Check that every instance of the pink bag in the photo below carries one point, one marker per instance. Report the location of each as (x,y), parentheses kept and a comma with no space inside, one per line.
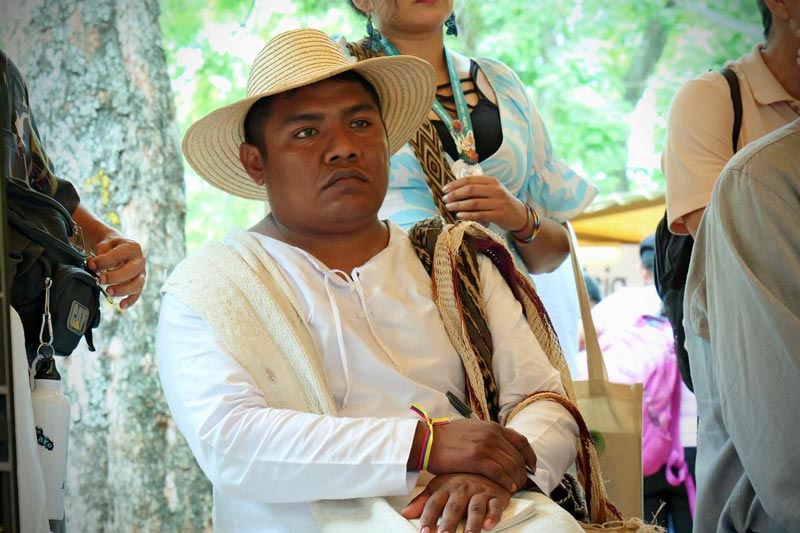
(660,405)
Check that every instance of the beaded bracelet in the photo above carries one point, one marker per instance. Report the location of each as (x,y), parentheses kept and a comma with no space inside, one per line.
(425,453)
(536,226)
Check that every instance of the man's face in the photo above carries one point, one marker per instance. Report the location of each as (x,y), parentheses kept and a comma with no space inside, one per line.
(326,157)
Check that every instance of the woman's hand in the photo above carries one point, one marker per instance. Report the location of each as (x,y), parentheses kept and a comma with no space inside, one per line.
(485,199)
(455,496)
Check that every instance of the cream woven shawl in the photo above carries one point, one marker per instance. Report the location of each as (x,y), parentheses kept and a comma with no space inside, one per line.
(238,289)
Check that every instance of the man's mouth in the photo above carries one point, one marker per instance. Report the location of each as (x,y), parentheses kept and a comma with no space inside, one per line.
(344,174)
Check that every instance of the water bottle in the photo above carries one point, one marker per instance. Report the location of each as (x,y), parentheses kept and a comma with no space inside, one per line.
(51,417)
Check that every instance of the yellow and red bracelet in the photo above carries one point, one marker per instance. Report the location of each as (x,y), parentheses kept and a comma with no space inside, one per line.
(425,453)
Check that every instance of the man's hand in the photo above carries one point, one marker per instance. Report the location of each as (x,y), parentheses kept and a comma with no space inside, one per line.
(453,496)
(469,446)
(120,263)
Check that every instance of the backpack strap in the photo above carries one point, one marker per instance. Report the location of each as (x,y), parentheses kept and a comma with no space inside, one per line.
(736,99)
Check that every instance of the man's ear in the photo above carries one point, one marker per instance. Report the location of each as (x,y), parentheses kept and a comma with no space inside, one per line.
(253,162)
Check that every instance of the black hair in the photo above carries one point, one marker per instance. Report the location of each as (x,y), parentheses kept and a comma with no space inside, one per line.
(259,112)
(766,17)
(592,288)
(647,252)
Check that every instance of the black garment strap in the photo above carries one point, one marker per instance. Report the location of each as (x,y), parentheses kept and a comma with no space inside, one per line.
(473,72)
(736,98)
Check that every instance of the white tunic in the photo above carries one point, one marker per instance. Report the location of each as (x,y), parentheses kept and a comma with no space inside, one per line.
(383,346)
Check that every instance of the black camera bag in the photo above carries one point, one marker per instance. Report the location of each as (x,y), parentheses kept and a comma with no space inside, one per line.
(39,248)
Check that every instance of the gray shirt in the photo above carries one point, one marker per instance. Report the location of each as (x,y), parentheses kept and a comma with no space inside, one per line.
(742,319)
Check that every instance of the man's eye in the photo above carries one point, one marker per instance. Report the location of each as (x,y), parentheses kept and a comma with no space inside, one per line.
(362,123)
(305,133)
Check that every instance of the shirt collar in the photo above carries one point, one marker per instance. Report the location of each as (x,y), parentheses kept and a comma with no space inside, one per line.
(395,233)
(764,85)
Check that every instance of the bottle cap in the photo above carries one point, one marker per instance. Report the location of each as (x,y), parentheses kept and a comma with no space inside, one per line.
(46,369)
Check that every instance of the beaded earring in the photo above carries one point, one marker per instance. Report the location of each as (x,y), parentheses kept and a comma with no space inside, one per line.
(374,37)
(450,24)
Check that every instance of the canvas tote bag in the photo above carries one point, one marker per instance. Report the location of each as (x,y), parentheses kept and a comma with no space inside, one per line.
(613,413)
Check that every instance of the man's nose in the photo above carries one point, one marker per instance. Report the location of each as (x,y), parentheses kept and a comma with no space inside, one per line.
(342,145)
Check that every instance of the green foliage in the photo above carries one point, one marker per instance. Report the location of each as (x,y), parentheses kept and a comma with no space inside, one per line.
(595,69)
(582,58)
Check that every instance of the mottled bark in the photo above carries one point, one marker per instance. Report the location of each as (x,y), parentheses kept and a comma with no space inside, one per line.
(654,39)
(101,96)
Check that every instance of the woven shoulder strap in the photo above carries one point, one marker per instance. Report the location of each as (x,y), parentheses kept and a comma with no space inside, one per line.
(449,253)
(427,148)
(457,293)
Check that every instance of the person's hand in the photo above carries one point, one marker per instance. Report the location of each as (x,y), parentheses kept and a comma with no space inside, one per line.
(485,199)
(470,446)
(121,265)
(454,496)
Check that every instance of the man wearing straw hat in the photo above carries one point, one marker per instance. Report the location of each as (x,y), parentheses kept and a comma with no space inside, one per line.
(291,354)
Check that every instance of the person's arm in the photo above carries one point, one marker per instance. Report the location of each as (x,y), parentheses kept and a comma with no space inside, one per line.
(255,452)
(239,441)
(555,191)
(752,251)
(697,147)
(692,221)
(547,251)
(521,368)
(118,259)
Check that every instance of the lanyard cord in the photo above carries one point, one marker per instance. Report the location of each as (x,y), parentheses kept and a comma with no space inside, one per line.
(461,128)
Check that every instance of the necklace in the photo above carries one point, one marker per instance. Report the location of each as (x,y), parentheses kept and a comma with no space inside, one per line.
(461,127)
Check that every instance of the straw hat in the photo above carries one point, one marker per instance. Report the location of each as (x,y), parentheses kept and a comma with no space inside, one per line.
(405,85)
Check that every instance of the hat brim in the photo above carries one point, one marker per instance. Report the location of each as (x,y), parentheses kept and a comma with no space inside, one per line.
(406,87)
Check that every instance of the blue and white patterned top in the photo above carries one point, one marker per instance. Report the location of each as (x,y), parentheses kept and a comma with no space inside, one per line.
(524,163)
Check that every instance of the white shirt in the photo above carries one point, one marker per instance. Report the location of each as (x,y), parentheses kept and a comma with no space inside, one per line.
(383,346)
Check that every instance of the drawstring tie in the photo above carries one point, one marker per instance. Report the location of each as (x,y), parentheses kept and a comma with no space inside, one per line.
(354,283)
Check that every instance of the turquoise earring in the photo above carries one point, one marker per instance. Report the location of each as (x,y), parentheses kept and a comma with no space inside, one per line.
(450,24)
(374,38)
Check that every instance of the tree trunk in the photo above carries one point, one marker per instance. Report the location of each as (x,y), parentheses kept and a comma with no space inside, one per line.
(101,96)
(654,40)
